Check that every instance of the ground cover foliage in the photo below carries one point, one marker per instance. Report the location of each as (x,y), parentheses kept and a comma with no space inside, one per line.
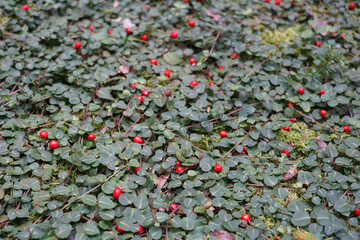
(66,193)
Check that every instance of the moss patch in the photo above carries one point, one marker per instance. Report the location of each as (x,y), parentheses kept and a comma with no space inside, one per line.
(275,37)
(298,136)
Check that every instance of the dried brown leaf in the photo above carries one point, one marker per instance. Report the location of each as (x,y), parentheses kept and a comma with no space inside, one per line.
(124,68)
(214,16)
(115,4)
(126,23)
(321,143)
(222,235)
(290,174)
(161,180)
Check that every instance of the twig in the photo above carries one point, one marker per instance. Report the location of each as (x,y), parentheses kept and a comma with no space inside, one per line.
(235,145)
(131,127)
(313,120)
(213,46)
(80,27)
(44,125)
(167,223)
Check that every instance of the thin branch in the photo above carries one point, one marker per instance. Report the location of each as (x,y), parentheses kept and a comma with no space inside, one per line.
(167,223)
(213,46)
(236,145)
(313,120)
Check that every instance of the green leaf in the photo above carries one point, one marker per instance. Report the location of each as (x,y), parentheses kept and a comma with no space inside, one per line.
(172,58)
(91,229)
(125,199)
(161,217)
(253,233)
(270,180)
(141,201)
(301,219)
(331,151)
(187,224)
(106,203)
(89,200)
(104,93)
(63,231)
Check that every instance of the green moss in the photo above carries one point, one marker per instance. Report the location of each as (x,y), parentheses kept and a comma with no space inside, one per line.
(275,37)
(298,136)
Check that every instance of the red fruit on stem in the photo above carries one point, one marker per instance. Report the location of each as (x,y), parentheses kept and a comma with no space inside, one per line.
(144,37)
(221,68)
(25,7)
(53,144)
(138,139)
(322,112)
(137,169)
(153,61)
(211,84)
(301,90)
(346,128)
(91,137)
(277,2)
(146,7)
(173,206)
(194,83)
(285,151)
(120,230)
(357,212)
(43,134)
(245,217)
(145,93)
(192,60)
(191,23)
(174,34)
(178,163)
(286,128)
(342,35)
(267,1)
(133,85)
(77,45)
(292,119)
(234,55)
(244,151)
(322,91)
(352,5)
(92,27)
(179,169)
(140,229)
(318,44)
(117,192)
(167,73)
(128,30)
(218,168)
(223,134)
(290,104)
(140,98)
(109,32)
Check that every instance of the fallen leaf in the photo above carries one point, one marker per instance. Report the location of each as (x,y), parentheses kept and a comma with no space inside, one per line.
(214,16)
(118,19)
(124,68)
(104,130)
(161,180)
(115,4)
(321,143)
(222,235)
(126,23)
(302,235)
(290,174)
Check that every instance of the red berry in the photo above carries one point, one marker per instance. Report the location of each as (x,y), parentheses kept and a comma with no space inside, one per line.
(179,169)
(342,35)
(285,151)
(153,61)
(322,112)
(192,60)
(53,144)
(185,1)
(77,45)
(301,90)
(223,133)
(234,55)
(221,68)
(218,168)
(290,104)
(346,128)
(352,5)
(91,137)
(117,192)
(244,151)
(109,31)
(211,84)
(267,1)
(173,206)
(174,34)
(133,85)
(92,27)
(357,212)
(144,37)
(277,2)
(194,83)
(140,229)
(191,23)
(120,230)
(84,56)
(146,7)
(25,7)
(178,163)
(167,72)
(128,30)
(138,139)
(145,93)
(322,91)
(292,119)
(137,169)
(43,134)
(318,43)
(245,217)
(286,128)
(140,98)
